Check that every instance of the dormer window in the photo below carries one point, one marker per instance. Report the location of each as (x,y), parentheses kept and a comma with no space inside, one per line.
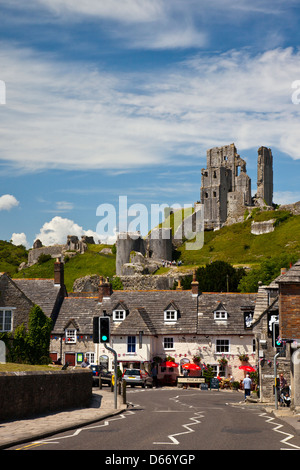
(170,315)
(120,311)
(220,313)
(70,334)
(119,315)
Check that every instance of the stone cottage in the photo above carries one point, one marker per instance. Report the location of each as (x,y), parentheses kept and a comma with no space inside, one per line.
(158,323)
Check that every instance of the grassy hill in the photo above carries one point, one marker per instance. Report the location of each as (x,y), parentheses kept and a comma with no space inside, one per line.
(238,246)
(234,244)
(11,257)
(91,262)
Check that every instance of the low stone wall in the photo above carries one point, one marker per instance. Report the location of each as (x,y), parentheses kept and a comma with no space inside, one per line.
(259,228)
(150,282)
(24,394)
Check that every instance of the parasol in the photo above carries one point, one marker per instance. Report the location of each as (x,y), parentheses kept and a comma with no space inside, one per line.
(191,366)
(248,368)
(168,364)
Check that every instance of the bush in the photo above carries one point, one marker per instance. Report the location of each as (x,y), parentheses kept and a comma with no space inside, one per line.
(43,258)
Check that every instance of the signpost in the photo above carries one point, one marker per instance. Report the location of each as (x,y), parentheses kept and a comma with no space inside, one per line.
(190,380)
(214,383)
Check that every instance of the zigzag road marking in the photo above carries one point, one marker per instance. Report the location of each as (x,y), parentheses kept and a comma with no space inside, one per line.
(172,437)
(277,429)
(55,440)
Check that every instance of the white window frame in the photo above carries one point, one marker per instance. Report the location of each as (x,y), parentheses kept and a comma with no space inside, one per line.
(223,344)
(3,312)
(119,315)
(90,357)
(220,315)
(70,335)
(132,344)
(170,315)
(168,343)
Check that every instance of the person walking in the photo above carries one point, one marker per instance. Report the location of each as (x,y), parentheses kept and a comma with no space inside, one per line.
(154,375)
(247,382)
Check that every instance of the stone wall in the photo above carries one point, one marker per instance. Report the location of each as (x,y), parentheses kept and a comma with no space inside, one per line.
(259,228)
(149,282)
(54,251)
(25,394)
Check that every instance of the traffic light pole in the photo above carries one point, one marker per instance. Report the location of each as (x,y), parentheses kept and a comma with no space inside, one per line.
(275,381)
(116,373)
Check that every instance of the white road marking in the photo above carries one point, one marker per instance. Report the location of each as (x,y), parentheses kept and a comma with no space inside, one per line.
(277,429)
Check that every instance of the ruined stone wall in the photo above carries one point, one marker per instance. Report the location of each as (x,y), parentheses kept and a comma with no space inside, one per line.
(259,228)
(54,250)
(148,282)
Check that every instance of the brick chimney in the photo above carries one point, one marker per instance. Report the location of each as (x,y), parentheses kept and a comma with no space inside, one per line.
(104,290)
(195,285)
(59,278)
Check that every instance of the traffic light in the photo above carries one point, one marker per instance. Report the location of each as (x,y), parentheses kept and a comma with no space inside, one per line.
(279,342)
(101,329)
(104,330)
(96,330)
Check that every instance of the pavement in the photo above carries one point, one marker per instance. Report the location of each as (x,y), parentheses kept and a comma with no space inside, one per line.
(101,407)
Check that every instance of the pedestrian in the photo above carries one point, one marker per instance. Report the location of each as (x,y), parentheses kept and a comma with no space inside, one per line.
(282,382)
(85,363)
(247,386)
(154,375)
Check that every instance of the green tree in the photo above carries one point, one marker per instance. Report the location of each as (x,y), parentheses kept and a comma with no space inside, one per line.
(38,336)
(219,276)
(266,272)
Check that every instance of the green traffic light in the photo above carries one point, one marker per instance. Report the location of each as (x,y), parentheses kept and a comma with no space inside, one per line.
(104,338)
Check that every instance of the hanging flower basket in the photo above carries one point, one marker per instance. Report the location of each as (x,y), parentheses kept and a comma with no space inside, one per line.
(223,361)
(244,358)
(196,359)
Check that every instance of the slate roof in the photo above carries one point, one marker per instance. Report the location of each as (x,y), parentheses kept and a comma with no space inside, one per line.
(291,276)
(145,312)
(42,292)
(233,303)
(148,311)
(80,310)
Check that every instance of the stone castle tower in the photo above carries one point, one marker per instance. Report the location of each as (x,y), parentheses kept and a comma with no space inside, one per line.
(226,188)
(157,246)
(265,175)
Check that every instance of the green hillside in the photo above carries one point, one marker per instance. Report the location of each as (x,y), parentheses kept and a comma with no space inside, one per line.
(91,262)
(238,246)
(11,257)
(234,244)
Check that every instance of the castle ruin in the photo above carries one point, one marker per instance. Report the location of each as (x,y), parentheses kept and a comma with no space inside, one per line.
(136,254)
(226,188)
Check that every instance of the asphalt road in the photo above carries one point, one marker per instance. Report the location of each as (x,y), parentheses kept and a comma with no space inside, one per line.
(177,420)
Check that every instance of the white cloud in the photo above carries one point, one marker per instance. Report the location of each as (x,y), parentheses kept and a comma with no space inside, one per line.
(57,230)
(75,117)
(286,197)
(20,239)
(7,202)
(64,206)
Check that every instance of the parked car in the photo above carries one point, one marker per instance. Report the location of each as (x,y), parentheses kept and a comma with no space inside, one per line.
(137,377)
(99,371)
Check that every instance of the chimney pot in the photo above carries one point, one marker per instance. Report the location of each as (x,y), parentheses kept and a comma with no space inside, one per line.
(59,273)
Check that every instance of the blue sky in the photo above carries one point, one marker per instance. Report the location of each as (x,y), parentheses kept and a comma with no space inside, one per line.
(106,98)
